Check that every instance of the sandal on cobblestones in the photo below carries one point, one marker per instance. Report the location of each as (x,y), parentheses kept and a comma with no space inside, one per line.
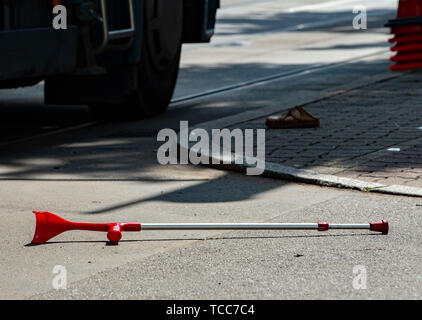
(294,118)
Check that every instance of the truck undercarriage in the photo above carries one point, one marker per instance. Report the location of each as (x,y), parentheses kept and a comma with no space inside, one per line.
(112,52)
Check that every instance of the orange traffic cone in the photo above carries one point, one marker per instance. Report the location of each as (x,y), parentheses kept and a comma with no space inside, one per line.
(407,28)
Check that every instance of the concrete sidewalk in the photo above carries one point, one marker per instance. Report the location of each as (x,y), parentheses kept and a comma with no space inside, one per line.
(370,138)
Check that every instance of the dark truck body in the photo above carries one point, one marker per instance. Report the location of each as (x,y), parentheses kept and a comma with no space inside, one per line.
(32,50)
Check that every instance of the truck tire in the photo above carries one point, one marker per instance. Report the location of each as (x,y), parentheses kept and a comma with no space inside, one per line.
(160,56)
(159,65)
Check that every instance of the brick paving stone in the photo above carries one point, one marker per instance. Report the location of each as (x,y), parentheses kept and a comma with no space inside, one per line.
(357,128)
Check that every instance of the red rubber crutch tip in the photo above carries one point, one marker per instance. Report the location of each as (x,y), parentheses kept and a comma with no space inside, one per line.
(380,226)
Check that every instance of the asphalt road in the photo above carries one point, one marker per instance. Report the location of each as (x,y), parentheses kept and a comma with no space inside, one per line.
(107,172)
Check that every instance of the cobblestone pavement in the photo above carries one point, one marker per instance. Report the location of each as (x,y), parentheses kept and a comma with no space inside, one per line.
(372,134)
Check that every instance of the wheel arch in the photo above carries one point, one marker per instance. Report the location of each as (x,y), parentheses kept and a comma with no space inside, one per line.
(199,17)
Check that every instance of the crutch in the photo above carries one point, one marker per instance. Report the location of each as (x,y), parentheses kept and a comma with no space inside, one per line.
(49,225)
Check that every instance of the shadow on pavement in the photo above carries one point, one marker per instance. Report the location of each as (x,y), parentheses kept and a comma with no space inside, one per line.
(126,151)
(343,235)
